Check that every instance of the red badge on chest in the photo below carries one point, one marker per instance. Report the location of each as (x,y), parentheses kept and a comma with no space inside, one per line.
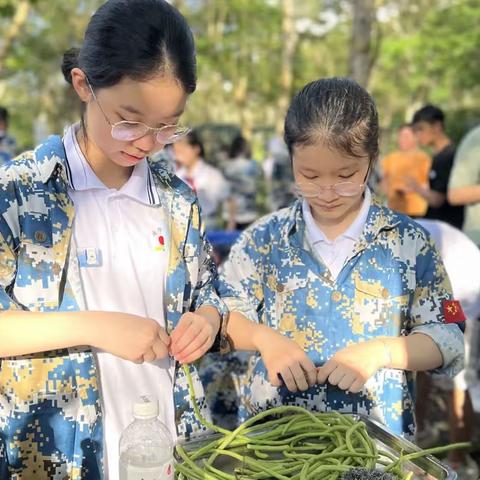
(453,311)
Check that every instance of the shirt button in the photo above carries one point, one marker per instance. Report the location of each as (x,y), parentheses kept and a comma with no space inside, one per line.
(385,293)
(336,296)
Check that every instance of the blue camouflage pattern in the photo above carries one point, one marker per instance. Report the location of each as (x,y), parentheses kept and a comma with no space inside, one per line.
(392,284)
(50,409)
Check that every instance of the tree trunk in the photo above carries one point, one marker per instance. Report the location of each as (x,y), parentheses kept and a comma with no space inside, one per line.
(290,40)
(13,31)
(361,53)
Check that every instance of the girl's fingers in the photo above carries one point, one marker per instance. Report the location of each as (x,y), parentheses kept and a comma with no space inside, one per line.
(196,354)
(288,379)
(273,377)
(181,327)
(164,336)
(336,376)
(347,381)
(198,342)
(324,371)
(160,349)
(310,371)
(188,335)
(149,355)
(357,385)
(299,377)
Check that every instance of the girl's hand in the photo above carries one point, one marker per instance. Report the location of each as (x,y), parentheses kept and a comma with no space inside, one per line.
(194,334)
(282,356)
(351,367)
(130,337)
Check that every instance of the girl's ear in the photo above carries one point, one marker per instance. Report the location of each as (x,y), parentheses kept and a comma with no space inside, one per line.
(80,84)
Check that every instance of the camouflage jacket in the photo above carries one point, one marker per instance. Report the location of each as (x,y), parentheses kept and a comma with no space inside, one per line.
(50,410)
(393,284)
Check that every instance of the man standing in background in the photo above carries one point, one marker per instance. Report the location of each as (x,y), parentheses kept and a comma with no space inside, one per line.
(429,126)
(464,185)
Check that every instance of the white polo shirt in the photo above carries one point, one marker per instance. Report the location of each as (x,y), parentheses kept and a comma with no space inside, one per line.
(335,252)
(122,239)
(211,188)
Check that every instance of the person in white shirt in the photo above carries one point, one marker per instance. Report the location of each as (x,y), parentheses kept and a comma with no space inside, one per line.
(205,180)
(462,261)
(106,279)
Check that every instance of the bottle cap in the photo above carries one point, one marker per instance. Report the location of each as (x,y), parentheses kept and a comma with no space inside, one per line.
(145,407)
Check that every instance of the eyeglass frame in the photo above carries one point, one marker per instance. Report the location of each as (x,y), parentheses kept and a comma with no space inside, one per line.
(148,128)
(333,186)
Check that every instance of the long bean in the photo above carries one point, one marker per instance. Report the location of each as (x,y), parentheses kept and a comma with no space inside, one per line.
(290,443)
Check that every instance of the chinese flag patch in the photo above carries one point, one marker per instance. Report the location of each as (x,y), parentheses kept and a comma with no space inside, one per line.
(453,311)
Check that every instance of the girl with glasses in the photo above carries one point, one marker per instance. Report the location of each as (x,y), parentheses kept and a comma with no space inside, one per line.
(341,297)
(105,274)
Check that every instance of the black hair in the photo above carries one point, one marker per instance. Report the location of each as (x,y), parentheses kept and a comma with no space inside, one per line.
(337,112)
(4,115)
(429,114)
(193,139)
(239,147)
(135,39)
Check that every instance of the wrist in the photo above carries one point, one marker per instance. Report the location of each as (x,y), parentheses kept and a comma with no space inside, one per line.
(261,336)
(384,353)
(212,316)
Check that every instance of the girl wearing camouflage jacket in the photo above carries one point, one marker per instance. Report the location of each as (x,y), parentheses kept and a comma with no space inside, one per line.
(341,297)
(105,275)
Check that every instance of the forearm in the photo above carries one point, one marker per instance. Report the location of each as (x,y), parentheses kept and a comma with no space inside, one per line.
(415,352)
(464,195)
(434,199)
(31,332)
(245,334)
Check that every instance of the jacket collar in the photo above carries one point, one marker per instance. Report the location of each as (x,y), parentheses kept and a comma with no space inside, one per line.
(50,157)
(379,218)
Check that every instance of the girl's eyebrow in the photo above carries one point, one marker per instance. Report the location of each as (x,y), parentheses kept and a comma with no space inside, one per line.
(130,109)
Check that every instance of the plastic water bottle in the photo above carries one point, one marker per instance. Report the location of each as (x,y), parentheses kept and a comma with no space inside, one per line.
(146,446)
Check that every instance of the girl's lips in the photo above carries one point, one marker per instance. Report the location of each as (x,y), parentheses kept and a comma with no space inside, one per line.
(132,157)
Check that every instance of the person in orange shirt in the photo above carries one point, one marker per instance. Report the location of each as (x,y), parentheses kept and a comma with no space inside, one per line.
(407,161)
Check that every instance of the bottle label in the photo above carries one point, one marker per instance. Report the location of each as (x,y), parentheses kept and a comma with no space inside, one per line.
(155,472)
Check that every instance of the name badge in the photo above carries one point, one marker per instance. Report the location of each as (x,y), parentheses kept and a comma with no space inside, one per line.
(89,257)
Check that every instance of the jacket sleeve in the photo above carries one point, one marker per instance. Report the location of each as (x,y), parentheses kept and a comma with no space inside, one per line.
(9,232)
(240,284)
(427,311)
(204,292)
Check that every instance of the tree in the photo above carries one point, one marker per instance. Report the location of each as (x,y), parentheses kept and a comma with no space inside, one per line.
(14,28)
(361,56)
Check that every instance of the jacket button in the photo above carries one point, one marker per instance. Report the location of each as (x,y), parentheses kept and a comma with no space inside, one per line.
(280,288)
(40,236)
(336,296)
(385,293)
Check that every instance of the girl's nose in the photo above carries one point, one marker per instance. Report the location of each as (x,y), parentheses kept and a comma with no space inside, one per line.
(146,143)
(327,193)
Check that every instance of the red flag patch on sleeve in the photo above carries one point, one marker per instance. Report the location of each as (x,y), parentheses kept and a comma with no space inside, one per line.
(453,311)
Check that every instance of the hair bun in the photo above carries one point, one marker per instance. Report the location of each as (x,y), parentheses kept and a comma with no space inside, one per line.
(70,60)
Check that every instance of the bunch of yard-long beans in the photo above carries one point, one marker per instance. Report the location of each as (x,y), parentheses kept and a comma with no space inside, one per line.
(289,443)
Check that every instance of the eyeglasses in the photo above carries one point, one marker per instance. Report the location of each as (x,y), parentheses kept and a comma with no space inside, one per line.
(127,131)
(342,189)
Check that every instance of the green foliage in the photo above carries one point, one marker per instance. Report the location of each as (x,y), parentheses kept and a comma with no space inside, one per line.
(428,51)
